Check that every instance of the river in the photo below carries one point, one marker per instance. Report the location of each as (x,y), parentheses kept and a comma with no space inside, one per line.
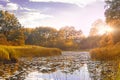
(69,66)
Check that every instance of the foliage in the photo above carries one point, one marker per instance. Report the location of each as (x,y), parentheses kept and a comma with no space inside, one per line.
(112,14)
(10,28)
(90,42)
(27,32)
(105,40)
(42,36)
(106,53)
(96,28)
(67,38)
(3,40)
(110,43)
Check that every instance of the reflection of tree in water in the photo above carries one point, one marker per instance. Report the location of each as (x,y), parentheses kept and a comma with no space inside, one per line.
(103,70)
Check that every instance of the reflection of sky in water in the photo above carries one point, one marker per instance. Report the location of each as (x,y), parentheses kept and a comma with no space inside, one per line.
(69,66)
(81,74)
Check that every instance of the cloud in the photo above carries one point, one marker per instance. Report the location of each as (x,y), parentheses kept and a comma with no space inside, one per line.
(78,2)
(32,18)
(11,6)
(27,9)
(1,7)
(5,0)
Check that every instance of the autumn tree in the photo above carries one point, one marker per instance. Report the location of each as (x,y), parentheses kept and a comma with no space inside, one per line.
(112,14)
(11,28)
(43,36)
(27,32)
(69,38)
(3,40)
(90,42)
(96,28)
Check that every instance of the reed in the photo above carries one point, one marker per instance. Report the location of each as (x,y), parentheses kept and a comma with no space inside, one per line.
(106,53)
(12,53)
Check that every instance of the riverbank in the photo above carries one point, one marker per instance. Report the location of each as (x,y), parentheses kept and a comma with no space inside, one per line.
(12,53)
(106,53)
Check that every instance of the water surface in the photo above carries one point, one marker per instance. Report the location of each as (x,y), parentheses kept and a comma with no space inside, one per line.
(68,66)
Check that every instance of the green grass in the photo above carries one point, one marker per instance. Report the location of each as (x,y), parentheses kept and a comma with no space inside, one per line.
(106,53)
(12,53)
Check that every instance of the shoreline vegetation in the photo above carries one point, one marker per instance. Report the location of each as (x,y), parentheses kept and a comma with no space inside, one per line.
(106,53)
(11,54)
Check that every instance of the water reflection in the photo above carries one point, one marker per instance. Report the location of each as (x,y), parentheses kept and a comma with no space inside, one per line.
(69,66)
(103,70)
(81,74)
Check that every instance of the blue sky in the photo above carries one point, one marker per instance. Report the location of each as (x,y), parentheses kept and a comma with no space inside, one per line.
(56,13)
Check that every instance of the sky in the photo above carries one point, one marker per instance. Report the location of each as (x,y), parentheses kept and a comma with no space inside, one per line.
(56,13)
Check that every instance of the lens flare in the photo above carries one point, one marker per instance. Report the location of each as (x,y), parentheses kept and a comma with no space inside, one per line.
(109,29)
(105,29)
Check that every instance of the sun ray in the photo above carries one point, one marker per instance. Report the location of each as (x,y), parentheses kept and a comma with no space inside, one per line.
(105,29)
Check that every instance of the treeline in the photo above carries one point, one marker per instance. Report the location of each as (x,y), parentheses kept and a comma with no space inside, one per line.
(67,38)
(110,42)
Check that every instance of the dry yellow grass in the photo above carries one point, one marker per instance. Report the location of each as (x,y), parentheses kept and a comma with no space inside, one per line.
(106,53)
(12,53)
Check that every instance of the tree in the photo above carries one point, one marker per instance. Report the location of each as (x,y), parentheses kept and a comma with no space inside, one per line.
(3,40)
(16,37)
(10,27)
(112,14)
(90,42)
(44,36)
(105,40)
(27,32)
(96,28)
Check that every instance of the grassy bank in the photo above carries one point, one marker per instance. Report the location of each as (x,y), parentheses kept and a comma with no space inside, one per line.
(106,53)
(12,53)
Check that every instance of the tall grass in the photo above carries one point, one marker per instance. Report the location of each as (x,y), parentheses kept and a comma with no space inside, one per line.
(4,55)
(106,53)
(36,51)
(12,53)
(118,73)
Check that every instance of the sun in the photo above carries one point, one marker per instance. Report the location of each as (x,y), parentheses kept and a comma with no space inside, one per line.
(109,29)
(105,29)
